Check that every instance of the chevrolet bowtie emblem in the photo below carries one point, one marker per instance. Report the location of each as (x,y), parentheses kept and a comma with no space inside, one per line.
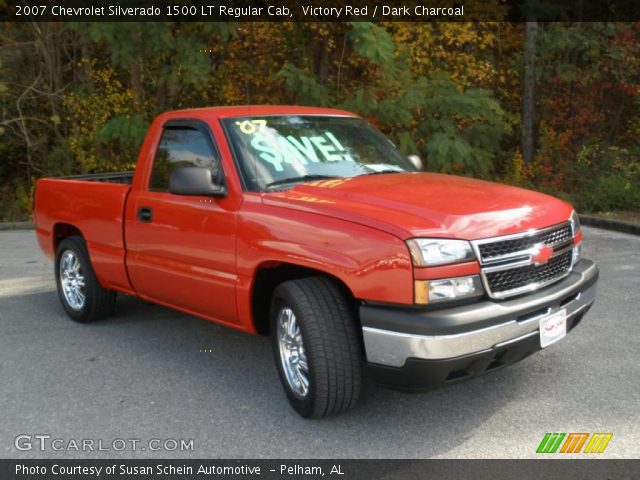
(541,254)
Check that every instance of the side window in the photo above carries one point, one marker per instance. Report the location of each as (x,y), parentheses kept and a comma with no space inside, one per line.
(180,147)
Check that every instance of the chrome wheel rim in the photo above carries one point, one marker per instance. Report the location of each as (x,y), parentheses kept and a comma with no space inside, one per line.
(72,280)
(292,354)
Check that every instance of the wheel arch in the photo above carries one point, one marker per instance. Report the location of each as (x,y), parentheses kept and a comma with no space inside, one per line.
(62,230)
(268,275)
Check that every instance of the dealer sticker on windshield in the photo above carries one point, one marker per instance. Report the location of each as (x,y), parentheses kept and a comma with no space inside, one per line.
(553,327)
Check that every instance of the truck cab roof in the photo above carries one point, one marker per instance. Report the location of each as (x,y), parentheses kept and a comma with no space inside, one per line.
(209,113)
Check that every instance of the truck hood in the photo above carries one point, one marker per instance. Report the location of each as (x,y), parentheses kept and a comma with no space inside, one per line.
(426,205)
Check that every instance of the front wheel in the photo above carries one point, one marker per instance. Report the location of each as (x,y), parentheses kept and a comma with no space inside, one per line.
(316,346)
(82,297)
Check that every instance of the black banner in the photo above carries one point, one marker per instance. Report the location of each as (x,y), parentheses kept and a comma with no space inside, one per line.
(338,469)
(320,10)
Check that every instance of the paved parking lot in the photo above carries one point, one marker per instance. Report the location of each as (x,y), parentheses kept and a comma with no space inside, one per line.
(144,374)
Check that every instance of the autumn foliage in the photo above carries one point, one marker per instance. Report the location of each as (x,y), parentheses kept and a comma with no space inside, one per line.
(78,97)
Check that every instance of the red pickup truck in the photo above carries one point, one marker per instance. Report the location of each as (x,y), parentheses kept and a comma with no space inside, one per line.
(308,225)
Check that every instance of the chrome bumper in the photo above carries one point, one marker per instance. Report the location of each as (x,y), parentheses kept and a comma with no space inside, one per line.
(391,336)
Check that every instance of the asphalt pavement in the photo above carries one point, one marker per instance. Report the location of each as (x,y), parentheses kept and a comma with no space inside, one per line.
(152,373)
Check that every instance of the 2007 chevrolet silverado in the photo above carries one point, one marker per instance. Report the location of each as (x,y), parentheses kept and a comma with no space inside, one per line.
(308,225)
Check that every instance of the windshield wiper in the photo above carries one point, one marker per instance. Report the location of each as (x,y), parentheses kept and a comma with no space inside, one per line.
(302,178)
(381,172)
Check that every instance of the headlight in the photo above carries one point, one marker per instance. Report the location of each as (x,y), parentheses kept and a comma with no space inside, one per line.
(433,291)
(575,222)
(427,252)
(577,236)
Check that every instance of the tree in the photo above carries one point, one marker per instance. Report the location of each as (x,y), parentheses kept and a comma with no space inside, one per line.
(528,92)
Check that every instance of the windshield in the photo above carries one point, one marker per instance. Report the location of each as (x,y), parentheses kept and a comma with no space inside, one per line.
(277,152)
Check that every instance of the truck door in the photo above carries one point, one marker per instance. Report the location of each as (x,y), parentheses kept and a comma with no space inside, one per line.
(181,248)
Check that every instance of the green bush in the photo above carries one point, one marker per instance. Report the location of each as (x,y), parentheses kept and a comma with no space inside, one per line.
(16,201)
(606,179)
(607,193)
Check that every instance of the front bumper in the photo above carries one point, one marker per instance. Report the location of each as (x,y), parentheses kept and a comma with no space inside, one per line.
(421,349)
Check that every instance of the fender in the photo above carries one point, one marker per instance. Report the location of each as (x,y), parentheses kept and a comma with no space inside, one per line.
(374,265)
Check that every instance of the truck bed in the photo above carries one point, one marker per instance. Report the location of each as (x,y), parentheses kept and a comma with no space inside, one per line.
(111,177)
(92,206)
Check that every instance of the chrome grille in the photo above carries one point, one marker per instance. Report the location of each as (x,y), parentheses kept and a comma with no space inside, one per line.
(552,237)
(508,263)
(505,281)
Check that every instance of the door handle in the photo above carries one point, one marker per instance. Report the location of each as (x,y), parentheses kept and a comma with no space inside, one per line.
(145,214)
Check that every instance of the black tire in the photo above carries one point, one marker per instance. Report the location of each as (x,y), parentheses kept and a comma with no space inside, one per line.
(331,344)
(99,302)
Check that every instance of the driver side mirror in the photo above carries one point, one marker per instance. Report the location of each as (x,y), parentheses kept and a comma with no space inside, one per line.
(195,181)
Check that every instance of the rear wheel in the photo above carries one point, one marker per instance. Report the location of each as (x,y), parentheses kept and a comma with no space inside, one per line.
(316,346)
(82,297)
